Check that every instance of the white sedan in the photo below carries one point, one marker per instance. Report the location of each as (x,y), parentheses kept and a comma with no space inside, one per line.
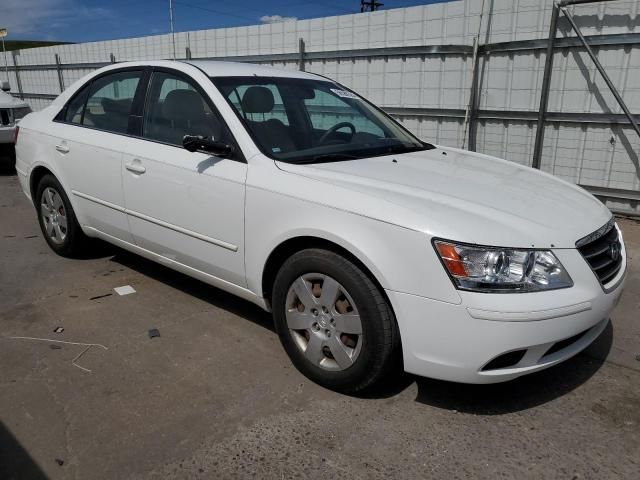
(293,192)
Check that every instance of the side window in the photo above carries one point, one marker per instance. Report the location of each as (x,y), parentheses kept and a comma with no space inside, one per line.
(326,110)
(175,109)
(75,108)
(110,100)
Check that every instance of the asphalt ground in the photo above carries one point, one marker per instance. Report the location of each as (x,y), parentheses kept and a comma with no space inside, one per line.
(214,396)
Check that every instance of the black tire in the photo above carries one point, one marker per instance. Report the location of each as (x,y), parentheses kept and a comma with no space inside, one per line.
(380,337)
(75,240)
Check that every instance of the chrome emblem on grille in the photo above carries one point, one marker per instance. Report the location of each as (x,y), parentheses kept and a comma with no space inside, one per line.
(614,251)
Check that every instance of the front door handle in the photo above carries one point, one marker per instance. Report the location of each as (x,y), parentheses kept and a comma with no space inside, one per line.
(62,148)
(135,167)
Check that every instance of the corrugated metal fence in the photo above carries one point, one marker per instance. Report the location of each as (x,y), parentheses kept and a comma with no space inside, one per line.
(417,63)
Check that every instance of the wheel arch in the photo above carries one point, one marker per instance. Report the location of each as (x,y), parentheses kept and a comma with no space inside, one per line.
(292,245)
(34,179)
(295,244)
(36,173)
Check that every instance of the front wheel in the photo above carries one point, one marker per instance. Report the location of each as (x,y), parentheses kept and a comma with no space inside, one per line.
(333,321)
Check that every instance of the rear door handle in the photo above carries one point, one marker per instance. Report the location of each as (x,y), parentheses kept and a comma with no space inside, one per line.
(135,167)
(62,148)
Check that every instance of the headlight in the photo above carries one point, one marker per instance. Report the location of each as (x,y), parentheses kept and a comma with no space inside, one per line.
(496,269)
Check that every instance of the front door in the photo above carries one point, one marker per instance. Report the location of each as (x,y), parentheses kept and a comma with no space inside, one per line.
(186,207)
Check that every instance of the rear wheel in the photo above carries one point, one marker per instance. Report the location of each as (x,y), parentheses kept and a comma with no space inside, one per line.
(333,321)
(57,218)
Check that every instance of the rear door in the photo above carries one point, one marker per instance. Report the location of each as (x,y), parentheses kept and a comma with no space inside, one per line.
(187,207)
(88,138)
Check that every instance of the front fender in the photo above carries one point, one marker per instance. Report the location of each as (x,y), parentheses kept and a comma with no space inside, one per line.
(401,259)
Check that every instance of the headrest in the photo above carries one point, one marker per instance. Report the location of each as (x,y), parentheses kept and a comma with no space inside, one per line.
(257,100)
(183,104)
(122,107)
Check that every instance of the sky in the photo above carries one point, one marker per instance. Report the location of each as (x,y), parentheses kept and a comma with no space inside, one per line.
(91,20)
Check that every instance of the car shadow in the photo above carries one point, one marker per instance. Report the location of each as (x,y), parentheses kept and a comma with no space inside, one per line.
(7,160)
(15,461)
(495,399)
(195,288)
(95,249)
(6,169)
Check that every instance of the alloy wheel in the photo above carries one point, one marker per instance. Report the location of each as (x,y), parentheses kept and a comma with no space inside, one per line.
(323,321)
(54,216)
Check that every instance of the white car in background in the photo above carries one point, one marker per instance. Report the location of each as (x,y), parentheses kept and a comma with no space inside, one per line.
(11,111)
(293,192)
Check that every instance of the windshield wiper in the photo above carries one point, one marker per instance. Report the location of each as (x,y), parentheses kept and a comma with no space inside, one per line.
(328,157)
(406,149)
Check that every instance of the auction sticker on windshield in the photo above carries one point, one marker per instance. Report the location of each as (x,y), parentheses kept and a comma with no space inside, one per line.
(344,93)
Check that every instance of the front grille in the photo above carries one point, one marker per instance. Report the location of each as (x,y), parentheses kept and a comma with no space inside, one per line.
(603,252)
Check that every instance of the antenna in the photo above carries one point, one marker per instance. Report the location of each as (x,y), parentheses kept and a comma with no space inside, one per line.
(370,6)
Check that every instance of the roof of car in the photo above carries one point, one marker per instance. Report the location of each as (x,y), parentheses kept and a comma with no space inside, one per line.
(211,68)
(236,69)
(215,68)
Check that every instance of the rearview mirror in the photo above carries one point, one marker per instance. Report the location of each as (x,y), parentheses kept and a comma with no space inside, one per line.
(195,143)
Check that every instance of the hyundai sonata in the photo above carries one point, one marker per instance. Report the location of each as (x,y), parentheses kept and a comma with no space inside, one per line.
(293,192)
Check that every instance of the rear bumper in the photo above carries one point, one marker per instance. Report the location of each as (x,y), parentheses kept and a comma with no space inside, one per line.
(458,342)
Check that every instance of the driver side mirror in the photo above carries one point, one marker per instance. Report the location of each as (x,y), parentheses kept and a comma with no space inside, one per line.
(195,143)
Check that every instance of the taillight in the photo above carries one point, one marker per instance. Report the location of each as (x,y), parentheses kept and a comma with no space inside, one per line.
(15,137)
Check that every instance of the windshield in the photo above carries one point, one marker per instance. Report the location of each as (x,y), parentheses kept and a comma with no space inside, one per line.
(305,121)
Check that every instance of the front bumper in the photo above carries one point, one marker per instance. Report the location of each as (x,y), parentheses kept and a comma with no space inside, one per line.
(458,342)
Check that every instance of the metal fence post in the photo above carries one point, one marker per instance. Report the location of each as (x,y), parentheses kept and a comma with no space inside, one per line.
(602,71)
(544,94)
(301,53)
(474,103)
(14,54)
(60,76)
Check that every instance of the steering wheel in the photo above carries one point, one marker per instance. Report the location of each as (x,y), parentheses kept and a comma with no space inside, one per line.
(335,128)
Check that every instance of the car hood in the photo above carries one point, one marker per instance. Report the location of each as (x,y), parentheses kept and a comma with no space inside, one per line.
(462,196)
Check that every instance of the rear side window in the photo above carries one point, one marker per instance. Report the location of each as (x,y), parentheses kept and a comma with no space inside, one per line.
(109,102)
(75,108)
